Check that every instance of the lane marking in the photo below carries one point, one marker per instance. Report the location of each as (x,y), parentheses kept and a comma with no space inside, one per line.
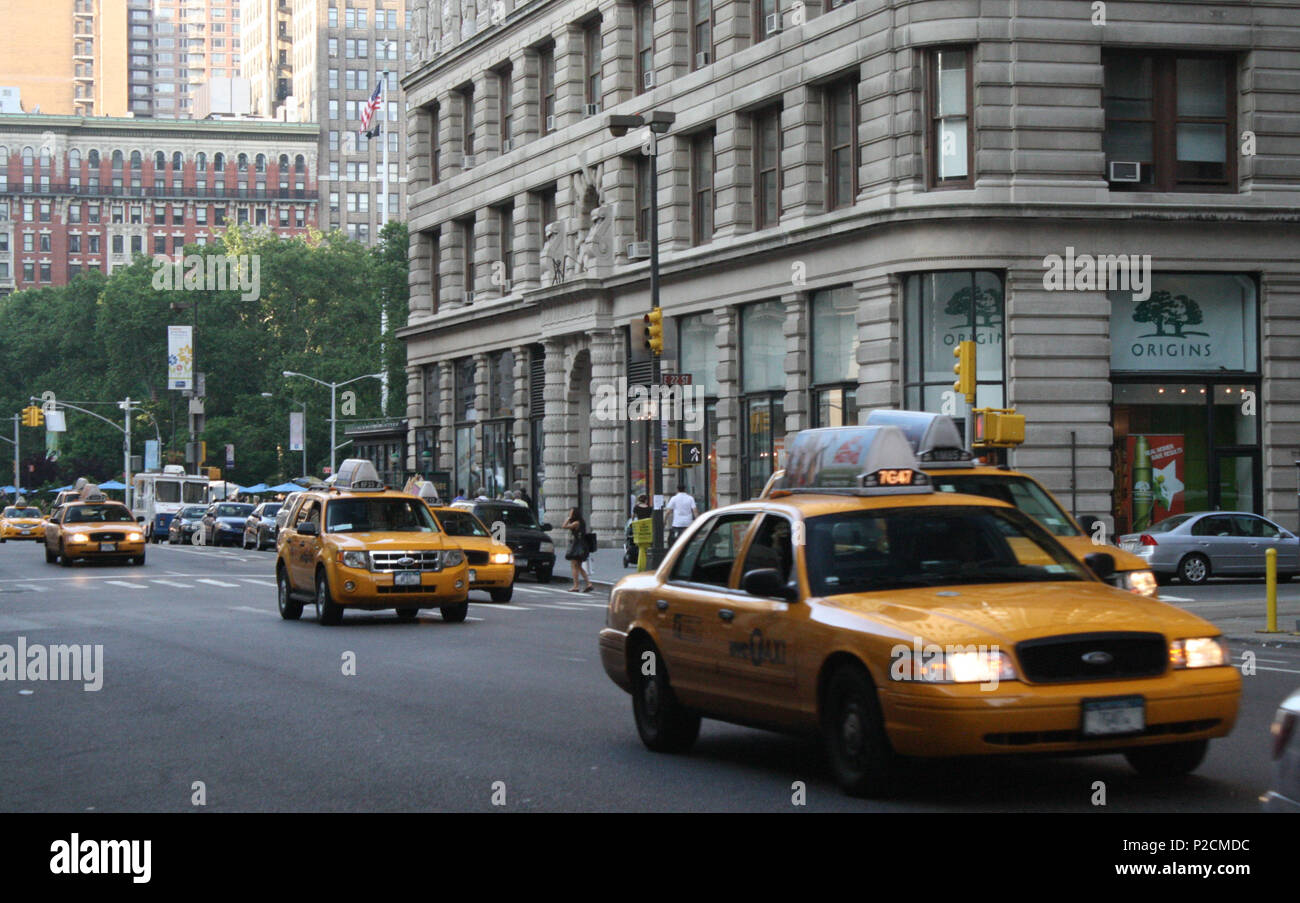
(1164,598)
(126,584)
(256,611)
(258,580)
(501,607)
(1283,670)
(173,583)
(210,582)
(31,588)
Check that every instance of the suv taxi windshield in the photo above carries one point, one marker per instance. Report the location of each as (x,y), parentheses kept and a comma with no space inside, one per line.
(97,514)
(1023,493)
(460,523)
(378,515)
(866,551)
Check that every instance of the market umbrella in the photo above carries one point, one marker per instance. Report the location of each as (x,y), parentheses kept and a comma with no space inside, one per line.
(112,484)
(60,489)
(254,490)
(285,487)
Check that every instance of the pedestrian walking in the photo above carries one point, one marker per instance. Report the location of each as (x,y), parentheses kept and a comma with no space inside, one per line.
(577,554)
(679,513)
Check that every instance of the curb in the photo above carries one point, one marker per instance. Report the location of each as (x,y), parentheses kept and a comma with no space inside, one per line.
(1264,639)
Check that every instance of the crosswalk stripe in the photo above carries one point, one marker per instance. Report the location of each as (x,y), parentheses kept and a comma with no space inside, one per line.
(29,587)
(256,611)
(259,581)
(222,583)
(126,584)
(174,583)
(511,607)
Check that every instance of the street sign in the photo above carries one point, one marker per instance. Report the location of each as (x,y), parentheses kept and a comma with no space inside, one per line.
(676,379)
(230,456)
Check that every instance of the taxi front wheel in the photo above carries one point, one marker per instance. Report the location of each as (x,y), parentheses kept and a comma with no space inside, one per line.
(455,613)
(854,733)
(1168,760)
(328,612)
(662,722)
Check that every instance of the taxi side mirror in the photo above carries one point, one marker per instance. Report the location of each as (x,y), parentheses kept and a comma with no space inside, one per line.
(309,528)
(1101,563)
(140,519)
(767,582)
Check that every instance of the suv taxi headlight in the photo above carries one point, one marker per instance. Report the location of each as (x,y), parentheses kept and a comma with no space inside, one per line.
(134,537)
(1141,582)
(502,557)
(953,666)
(354,559)
(1198,652)
(80,537)
(452,557)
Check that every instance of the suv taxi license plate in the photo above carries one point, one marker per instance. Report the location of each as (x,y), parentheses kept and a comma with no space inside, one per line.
(406,578)
(108,547)
(1120,715)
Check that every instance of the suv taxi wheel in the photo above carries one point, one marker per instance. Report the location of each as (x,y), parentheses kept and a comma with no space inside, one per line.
(1167,760)
(328,612)
(455,613)
(407,614)
(290,608)
(854,733)
(1194,569)
(661,721)
(63,557)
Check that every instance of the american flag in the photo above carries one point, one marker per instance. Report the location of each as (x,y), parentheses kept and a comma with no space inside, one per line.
(372,106)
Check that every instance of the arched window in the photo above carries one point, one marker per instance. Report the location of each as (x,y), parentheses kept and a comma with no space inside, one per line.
(92,159)
(45,157)
(243,162)
(300,163)
(219,162)
(284,163)
(261,163)
(201,161)
(4,155)
(118,160)
(74,159)
(159,161)
(137,160)
(28,157)
(178,161)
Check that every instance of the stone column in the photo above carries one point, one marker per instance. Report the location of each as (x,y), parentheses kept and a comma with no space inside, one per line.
(447,419)
(672,40)
(451,269)
(728,410)
(481,408)
(1280,390)
(618,189)
(608,507)
(803,193)
(419,149)
(618,53)
(733,27)
(880,345)
(450,119)
(419,255)
(527,125)
(487,118)
(733,176)
(674,162)
(487,242)
(527,269)
(568,76)
(798,365)
(558,486)
(519,402)
(414,413)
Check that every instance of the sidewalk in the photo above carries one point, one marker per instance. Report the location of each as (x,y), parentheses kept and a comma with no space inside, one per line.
(606,567)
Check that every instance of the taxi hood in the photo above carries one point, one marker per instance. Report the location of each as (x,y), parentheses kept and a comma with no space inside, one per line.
(1082,546)
(388,542)
(1008,613)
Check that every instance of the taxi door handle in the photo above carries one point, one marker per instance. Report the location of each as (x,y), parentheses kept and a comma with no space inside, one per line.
(726,614)
(662,605)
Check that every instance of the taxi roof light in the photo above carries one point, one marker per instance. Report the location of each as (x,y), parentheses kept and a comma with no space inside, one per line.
(934,437)
(857,460)
(358,475)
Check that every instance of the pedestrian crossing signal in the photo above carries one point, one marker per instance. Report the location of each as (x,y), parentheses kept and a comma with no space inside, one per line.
(684,453)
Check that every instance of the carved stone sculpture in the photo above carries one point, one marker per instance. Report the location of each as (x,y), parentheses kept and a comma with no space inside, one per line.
(594,249)
(553,255)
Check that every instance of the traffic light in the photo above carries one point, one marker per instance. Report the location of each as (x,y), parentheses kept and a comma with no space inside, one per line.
(33,416)
(654,330)
(965,370)
(998,428)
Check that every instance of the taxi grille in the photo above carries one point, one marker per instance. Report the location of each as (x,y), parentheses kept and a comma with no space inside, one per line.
(1073,657)
(107,537)
(476,557)
(427,560)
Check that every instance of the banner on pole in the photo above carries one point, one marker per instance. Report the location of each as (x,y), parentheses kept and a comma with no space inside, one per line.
(297,426)
(180,357)
(151,462)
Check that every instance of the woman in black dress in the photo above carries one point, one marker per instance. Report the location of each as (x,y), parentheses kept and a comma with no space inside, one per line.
(577,554)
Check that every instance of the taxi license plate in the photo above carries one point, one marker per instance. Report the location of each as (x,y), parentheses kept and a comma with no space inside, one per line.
(108,547)
(406,578)
(1119,715)
(473,575)
(25,531)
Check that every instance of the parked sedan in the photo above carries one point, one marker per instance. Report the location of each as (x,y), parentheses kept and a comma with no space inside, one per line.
(182,526)
(223,523)
(1284,795)
(1195,547)
(260,527)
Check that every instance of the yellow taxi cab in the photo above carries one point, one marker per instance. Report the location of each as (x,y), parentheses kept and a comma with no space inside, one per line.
(491,563)
(358,544)
(938,445)
(21,522)
(92,526)
(857,603)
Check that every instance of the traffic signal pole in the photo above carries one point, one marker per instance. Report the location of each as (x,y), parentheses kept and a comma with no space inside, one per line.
(18,482)
(657,430)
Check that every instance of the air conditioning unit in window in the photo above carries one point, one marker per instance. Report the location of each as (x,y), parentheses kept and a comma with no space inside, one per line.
(1123,171)
(550,123)
(701,59)
(591,109)
(467,161)
(638,250)
(469,297)
(772,23)
(648,80)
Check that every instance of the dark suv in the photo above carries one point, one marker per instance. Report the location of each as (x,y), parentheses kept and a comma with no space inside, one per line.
(533,547)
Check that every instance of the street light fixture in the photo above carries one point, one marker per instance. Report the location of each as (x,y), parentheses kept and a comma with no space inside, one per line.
(333,387)
(659,122)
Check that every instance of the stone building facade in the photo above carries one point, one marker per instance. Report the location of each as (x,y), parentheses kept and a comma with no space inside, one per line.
(1108,204)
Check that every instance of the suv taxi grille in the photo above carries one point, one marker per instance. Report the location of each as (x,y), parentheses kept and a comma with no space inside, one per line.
(426,560)
(476,557)
(1093,656)
(107,537)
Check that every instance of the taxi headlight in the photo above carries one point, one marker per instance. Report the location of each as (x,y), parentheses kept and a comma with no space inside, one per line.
(954,666)
(135,537)
(452,557)
(502,558)
(1198,652)
(355,559)
(80,537)
(1141,582)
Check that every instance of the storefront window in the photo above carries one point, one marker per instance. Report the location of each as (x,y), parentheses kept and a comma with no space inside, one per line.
(942,309)
(834,355)
(469,476)
(698,344)
(762,367)
(498,431)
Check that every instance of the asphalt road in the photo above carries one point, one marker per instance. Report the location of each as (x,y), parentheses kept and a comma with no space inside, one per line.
(203,682)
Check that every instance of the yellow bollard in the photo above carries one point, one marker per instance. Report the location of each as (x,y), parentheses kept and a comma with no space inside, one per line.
(1270,590)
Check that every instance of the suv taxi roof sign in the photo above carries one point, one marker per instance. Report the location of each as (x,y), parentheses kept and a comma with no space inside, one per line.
(357,473)
(90,492)
(934,437)
(843,458)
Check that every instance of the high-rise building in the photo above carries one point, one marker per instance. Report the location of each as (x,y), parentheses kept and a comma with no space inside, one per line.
(176,46)
(68,57)
(321,61)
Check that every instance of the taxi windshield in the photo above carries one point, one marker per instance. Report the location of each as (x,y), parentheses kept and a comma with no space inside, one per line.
(362,515)
(22,512)
(1021,492)
(459,523)
(882,549)
(97,514)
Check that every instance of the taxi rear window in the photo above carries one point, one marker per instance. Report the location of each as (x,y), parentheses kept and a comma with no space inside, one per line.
(460,523)
(1023,493)
(864,551)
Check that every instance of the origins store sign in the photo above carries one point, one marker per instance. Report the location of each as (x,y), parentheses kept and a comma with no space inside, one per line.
(1186,322)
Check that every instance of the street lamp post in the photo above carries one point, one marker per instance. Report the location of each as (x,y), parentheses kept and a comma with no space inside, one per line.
(303,405)
(333,387)
(659,122)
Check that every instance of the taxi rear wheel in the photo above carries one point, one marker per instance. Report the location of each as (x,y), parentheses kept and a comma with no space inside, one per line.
(455,613)
(854,733)
(328,612)
(63,557)
(1168,760)
(290,608)
(662,722)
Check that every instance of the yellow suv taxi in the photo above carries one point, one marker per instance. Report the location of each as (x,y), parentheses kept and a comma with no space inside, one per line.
(92,526)
(938,445)
(491,563)
(859,604)
(358,544)
(21,522)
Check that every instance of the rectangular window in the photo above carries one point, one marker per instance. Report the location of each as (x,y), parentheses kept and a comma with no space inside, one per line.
(467,118)
(1171,115)
(767,168)
(546,88)
(333,47)
(435,142)
(45,272)
(506,229)
(949,101)
(645,45)
(941,309)
(160,244)
(702,165)
(74,244)
(701,33)
(201,215)
(505,110)
(766,16)
(591,60)
(467,244)
(93,241)
(841,116)
(643,200)
(833,352)
(334,79)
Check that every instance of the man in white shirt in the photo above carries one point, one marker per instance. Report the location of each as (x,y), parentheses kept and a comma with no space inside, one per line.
(680,513)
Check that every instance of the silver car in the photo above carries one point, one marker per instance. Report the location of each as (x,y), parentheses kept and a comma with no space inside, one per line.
(1195,547)
(1285,793)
